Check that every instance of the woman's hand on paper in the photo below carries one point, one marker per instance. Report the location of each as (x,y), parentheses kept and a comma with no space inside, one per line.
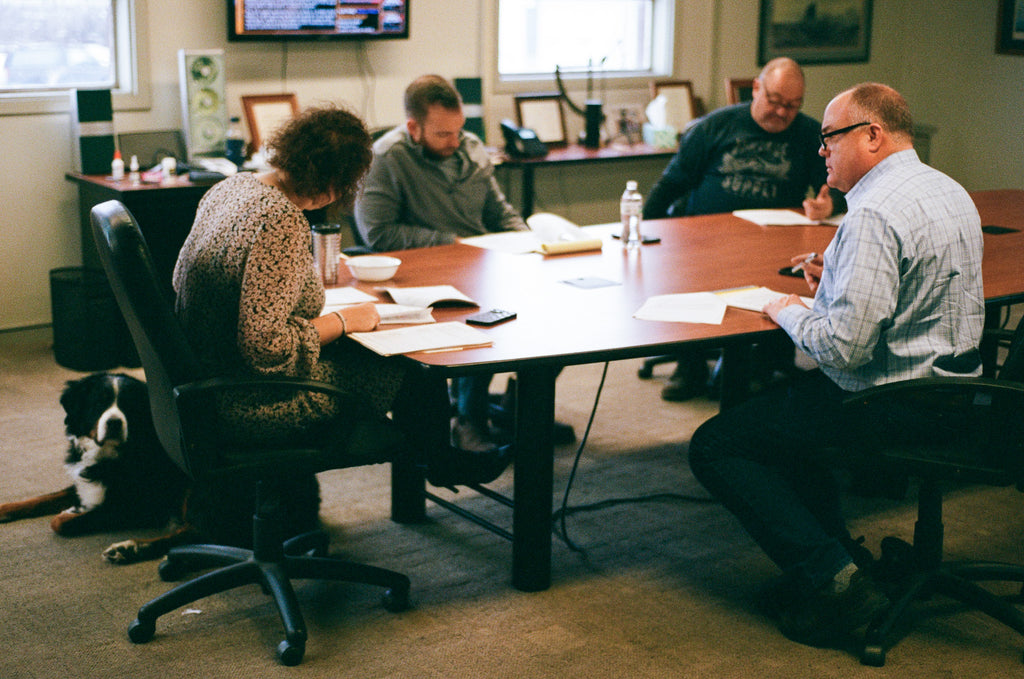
(360,317)
(820,207)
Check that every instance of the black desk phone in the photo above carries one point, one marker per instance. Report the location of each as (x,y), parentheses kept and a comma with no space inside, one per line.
(522,141)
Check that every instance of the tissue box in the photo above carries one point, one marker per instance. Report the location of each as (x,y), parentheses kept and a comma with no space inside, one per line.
(660,137)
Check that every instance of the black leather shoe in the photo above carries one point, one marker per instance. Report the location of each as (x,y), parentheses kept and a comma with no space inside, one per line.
(457,467)
(827,619)
(688,380)
(562,434)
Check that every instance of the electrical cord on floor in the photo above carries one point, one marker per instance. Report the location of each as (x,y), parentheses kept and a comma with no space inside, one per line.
(558,518)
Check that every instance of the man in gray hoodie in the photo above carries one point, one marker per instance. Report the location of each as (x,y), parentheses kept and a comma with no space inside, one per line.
(430,183)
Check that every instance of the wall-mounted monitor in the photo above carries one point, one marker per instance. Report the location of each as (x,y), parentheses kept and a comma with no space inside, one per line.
(317,19)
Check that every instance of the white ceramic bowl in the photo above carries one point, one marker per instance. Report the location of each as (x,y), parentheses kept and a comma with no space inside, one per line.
(372,267)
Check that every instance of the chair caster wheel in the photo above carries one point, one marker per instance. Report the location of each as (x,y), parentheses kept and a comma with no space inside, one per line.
(394,601)
(289,654)
(140,632)
(645,372)
(873,655)
(169,572)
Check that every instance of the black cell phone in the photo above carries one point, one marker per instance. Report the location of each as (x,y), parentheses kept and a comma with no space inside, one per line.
(788,271)
(645,240)
(492,317)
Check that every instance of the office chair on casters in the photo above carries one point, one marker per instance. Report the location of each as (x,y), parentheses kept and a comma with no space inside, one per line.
(181,399)
(981,425)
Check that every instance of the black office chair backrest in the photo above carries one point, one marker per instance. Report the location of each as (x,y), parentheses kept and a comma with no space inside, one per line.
(167,358)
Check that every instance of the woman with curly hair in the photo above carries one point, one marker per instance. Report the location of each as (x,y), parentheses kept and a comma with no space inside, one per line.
(250,300)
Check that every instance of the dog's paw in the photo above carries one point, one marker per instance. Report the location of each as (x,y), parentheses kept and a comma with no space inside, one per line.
(122,552)
(66,523)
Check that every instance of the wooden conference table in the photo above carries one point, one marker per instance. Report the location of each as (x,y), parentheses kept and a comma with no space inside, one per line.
(560,324)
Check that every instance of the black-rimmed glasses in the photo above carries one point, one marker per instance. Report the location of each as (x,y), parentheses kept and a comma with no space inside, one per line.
(824,136)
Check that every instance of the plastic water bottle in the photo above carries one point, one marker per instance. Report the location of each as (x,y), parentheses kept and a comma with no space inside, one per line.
(133,170)
(630,209)
(117,166)
(234,143)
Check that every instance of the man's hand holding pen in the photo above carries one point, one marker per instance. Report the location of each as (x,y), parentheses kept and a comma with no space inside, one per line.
(812,265)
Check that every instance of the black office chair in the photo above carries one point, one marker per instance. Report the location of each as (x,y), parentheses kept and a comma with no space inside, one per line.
(182,397)
(337,214)
(981,441)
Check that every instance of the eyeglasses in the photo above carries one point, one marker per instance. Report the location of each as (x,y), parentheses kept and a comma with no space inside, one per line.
(823,136)
(775,101)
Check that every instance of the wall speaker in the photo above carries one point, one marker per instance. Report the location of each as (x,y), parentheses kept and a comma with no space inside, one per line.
(471,91)
(204,110)
(92,131)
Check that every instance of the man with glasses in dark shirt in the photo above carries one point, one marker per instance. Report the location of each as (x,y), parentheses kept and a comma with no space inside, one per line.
(757,154)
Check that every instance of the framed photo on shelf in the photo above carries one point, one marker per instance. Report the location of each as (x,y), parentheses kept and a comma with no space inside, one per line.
(542,112)
(1010,33)
(822,32)
(264,113)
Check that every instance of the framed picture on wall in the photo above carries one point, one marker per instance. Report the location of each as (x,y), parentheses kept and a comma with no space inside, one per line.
(1010,34)
(264,113)
(819,32)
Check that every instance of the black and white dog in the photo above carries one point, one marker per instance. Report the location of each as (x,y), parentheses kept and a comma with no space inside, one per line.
(122,478)
(120,475)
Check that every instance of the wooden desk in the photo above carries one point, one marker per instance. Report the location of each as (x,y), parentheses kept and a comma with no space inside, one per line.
(559,325)
(572,155)
(164,211)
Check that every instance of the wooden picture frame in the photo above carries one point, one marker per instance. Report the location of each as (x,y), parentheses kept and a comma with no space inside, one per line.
(837,31)
(264,113)
(543,113)
(680,107)
(1010,28)
(739,89)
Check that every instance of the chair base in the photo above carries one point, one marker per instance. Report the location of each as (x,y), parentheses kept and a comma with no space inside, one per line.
(302,557)
(921,574)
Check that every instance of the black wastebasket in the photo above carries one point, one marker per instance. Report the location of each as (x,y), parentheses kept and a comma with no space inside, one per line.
(89,332)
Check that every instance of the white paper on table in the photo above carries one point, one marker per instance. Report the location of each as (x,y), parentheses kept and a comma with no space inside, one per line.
(334,297)
(548,234)
(690,307)
(451,336)
(509,242)
(775,217)
(754,298)
(401,313)
(428,295)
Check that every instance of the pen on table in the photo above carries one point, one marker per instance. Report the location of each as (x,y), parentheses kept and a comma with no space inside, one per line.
(807,260)
(446,349)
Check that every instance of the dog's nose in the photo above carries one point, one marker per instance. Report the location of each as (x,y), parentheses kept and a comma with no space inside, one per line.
(114,429)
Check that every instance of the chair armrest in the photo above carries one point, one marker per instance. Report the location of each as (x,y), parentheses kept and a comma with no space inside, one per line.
(924,386)
(199,393)
(194,392)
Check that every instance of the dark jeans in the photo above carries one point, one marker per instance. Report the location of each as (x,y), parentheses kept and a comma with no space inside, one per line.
(758,459)
(472,398)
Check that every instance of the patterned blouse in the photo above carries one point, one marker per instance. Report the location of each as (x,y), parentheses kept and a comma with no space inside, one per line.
(247,293)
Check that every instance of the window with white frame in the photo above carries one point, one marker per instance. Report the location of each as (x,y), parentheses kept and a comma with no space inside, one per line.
(50,46)
(611,37)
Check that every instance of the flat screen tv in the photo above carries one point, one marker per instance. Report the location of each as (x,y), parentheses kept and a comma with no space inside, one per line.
(317,19)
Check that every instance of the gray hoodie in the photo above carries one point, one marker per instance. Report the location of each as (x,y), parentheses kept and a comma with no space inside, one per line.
(408,200)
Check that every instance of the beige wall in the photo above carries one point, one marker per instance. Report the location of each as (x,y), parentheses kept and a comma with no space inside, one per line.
(939,53)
